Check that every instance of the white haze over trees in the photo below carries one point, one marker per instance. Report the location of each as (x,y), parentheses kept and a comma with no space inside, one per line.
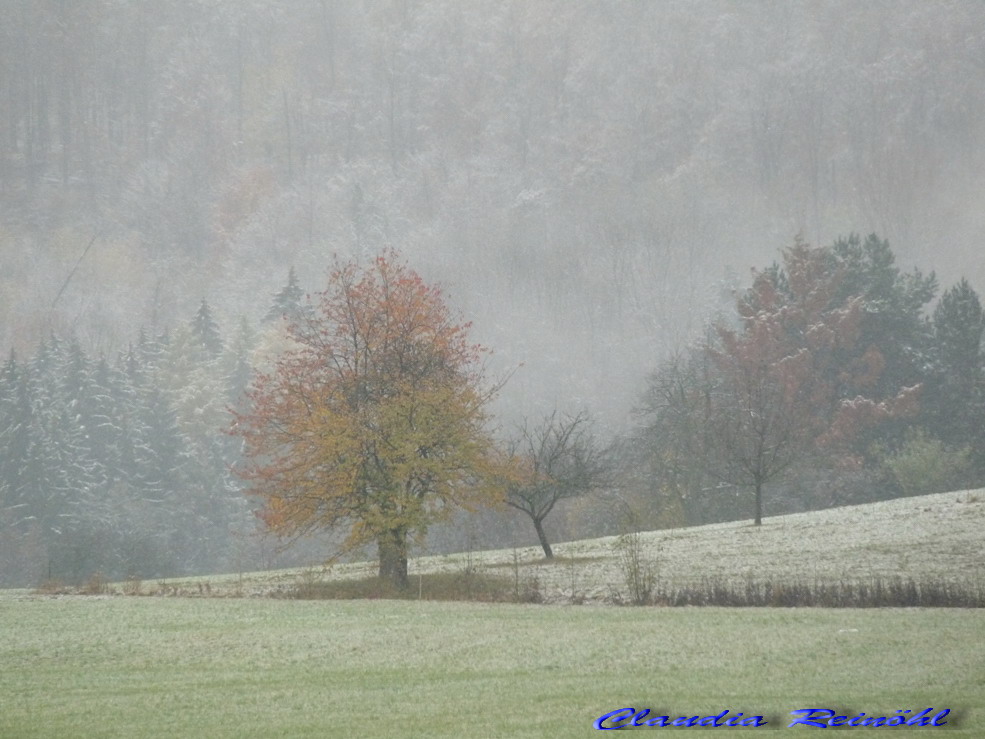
(584,178)
(589,181)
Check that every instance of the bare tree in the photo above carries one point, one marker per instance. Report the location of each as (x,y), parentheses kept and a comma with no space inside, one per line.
(561,459)
(755,426)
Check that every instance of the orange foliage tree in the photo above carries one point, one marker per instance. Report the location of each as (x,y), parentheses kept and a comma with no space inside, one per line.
(376,419)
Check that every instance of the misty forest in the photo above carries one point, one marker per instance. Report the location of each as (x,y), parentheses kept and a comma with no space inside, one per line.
(724,256)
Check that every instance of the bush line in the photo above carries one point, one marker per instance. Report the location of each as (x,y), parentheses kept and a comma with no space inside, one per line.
(895,592)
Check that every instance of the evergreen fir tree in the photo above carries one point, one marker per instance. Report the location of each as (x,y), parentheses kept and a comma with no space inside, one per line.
(120,469)
(288,303)
(15,443)
(237,367)
(206,331)
(77,393)
(893,309)
(107,421)
(958,326)
(149,349)
(955,393)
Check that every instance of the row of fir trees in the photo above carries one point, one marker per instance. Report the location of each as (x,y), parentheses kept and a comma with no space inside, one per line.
(120,467)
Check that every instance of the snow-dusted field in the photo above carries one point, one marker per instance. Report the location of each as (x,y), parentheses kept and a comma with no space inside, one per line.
(926,538)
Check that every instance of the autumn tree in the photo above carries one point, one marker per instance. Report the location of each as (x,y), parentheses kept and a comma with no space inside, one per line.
(375,420)
(794,373)
(557,460)
(783,382)
(764,406)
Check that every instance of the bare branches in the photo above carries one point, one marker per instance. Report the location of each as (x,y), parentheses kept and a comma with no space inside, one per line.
(560,459)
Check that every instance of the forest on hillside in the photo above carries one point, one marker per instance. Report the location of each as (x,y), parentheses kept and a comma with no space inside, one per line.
(590,182)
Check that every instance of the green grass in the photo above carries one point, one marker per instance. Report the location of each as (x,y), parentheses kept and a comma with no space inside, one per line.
(214,667)
(472,586)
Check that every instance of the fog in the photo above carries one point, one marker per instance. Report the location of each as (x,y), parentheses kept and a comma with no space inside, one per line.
(588,180)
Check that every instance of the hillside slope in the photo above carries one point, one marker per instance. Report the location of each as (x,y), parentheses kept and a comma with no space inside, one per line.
(927,538)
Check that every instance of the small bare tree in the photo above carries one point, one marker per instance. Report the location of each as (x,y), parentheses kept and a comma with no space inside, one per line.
(561,459)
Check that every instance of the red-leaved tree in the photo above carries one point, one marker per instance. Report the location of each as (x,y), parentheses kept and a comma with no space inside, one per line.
(774,392)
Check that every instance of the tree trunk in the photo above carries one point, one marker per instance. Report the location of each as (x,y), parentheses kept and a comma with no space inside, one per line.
(393,557)
(759,502)
(546,545)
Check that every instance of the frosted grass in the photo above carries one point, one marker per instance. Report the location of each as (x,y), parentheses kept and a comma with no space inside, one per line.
(927,538)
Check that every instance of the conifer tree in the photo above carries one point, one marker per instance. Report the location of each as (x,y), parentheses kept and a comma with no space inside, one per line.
(956,388)
(237,368)
(893,304)
(206,331)
(289,302)
(15,444)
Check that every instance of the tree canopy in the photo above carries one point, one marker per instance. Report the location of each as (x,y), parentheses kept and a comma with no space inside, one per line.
(375,420)
(793,375)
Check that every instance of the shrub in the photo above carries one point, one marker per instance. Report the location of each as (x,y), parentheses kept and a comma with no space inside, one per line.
(923,465)
(132,585)
(637,567)
(875,593)
(95,585)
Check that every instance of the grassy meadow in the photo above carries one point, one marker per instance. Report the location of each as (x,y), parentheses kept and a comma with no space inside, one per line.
(108,666)
(237,656)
